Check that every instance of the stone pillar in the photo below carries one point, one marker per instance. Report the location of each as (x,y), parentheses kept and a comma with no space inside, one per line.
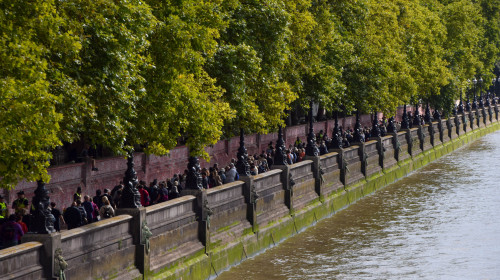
(362,157)
(51,242)
(409,141)
(140,236)
(288,183)
(317,172)
(381,154)
(421,136)
(203,212)
(251,196)
(396,146)
(341,164)
(431,133)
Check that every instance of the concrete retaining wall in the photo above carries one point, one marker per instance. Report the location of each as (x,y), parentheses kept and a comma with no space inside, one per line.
(22,262)
(175,232)
(202,233)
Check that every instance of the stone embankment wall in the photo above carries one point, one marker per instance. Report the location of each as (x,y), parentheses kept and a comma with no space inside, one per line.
(205,232)
(66,178)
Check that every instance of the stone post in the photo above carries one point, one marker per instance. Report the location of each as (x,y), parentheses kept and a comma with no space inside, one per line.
(380,150)
(51,242)
(409,141)
(251,196)
(421,136)
(396,145)
(341,164)
(317,172)
(140,236)
(288,183)
(362,157)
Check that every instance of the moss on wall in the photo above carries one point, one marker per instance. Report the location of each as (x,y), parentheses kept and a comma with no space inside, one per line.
(220,258)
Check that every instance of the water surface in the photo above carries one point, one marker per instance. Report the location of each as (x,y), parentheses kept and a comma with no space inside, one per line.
(441,222)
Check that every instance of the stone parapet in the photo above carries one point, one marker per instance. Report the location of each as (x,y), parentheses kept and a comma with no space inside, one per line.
(206,231)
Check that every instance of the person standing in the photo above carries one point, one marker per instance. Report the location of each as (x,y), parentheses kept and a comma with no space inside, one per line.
(145,199)
(72,216)
(10,232)
(231,174)
(89,209)
(20,205)
(24,227)
(98,198)
(78,194)
(106,210)
(83,213)
(57,215)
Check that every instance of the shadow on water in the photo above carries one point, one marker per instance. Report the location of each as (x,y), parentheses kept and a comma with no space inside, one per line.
(438,223)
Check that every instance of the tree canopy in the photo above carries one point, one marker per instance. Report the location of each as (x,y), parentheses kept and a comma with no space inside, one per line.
(126,73)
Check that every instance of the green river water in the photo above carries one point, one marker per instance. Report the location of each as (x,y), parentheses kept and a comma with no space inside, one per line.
(441,222)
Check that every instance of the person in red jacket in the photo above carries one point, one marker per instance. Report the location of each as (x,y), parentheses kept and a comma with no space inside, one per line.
(144,195)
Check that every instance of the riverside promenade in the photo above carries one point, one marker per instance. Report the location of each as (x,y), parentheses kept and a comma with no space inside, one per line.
(203,233)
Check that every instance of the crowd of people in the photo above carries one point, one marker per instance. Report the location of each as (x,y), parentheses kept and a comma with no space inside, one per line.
(85,209)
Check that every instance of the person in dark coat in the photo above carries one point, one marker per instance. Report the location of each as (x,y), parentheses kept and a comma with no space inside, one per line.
(98,198)
(72,216)
(57,216)
(10,232)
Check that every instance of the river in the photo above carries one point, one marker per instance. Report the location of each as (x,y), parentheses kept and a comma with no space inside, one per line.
(441,222)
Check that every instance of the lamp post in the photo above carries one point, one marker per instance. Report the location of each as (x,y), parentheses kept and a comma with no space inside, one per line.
(416,116)
(358,131)
(405,123)
(474,100)
(461,104)
(481,103)
(242,165)
(467,104)
(336,142)
(280,155)
(311,148)
(428,117)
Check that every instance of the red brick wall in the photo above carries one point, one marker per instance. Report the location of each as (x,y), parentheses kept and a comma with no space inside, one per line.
(66,178)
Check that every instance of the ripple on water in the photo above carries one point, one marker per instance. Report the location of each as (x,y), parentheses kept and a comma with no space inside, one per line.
(439,223)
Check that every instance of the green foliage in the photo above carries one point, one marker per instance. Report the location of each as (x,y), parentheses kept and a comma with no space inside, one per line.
(376,73)
(250,63)
(181,99)
(29,121)
(424,37)
(114,39)
(312,71)
(123,73)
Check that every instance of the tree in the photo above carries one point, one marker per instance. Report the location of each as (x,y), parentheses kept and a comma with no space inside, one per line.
(376,73)
(108,70)
(29,120)
(424,35)
(250,62)
(182,99)
(311,71)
